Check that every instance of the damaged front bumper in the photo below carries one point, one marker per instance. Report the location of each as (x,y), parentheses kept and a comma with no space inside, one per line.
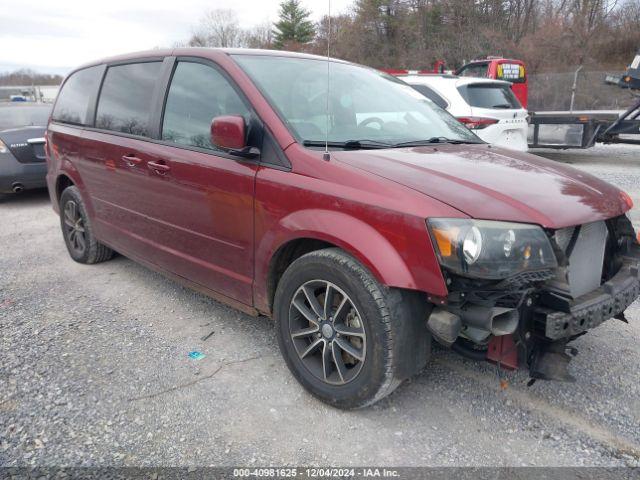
(564,318)
(543,315)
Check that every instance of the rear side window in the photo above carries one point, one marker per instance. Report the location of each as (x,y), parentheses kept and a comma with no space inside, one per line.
(126,97)
(431,95)
(197,94)
(478,70)
(489,96)
(72,105)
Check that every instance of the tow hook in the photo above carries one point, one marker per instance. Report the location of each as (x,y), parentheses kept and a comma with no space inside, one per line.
(550,361)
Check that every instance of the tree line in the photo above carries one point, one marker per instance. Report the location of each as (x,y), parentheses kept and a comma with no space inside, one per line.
(28,77)
(549,35)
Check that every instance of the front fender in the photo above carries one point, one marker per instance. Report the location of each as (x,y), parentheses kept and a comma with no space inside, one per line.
(373,249)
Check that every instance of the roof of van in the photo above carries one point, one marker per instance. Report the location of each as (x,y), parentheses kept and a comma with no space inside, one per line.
(202,52)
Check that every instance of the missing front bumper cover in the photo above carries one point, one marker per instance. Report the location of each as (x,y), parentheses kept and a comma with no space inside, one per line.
(564,318)
(548,319)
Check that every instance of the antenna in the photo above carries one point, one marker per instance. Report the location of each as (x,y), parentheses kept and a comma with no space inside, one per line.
(327,155)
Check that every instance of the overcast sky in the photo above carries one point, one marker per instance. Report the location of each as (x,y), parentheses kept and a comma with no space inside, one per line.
(54,36)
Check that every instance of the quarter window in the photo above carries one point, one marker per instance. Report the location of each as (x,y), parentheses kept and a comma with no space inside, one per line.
(126,98)
(197,94)
(72,105)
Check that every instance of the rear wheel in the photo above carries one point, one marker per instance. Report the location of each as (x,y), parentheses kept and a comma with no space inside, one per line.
(77,231)
(347,339)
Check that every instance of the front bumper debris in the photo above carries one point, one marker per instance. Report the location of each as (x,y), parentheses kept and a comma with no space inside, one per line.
(564,318)
(551,362)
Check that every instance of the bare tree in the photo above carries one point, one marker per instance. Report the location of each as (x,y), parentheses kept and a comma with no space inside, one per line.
(26,76)
(549,35)
(260,36)
(218,28)
(521,17)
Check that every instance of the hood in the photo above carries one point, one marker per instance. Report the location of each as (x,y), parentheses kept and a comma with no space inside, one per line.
(491,183)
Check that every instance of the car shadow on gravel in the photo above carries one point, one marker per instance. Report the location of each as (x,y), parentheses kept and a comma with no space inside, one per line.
(29,198)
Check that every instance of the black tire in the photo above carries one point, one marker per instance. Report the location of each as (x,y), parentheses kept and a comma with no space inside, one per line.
(396,345)
(80,241)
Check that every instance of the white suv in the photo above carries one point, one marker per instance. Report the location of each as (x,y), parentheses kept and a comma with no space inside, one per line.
(486,106)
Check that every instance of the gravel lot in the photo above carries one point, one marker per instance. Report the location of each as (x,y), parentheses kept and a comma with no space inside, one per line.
(94,371)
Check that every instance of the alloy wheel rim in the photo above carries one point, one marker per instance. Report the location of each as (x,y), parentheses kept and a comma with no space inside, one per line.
(74,227)
(327,332)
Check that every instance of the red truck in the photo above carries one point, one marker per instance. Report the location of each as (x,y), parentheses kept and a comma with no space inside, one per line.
(500,68)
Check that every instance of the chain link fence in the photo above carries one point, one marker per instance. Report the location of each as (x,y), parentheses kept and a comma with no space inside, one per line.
(552,91)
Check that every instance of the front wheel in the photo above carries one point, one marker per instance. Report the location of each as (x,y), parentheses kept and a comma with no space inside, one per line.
(347,339)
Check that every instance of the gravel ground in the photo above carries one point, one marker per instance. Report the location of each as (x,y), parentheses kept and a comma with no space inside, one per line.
(94,371)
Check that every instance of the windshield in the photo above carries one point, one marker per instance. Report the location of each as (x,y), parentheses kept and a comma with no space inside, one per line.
(364,104)
(23,116)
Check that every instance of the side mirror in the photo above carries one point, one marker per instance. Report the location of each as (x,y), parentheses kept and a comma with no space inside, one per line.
(229,133)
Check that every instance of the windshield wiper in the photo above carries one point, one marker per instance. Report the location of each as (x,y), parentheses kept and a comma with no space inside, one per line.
(432,140)
(373,144)
(502,105)
(349,144)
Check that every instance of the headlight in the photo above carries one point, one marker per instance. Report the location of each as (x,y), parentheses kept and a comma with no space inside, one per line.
(3,147)
(472,245)
(488,249)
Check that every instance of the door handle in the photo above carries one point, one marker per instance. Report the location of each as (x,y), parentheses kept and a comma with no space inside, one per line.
(131,160)
(159,167)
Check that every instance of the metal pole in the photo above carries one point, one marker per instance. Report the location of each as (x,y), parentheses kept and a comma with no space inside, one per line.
(573,88)
(327,155)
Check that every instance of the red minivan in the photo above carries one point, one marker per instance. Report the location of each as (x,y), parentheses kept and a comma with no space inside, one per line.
(210,166)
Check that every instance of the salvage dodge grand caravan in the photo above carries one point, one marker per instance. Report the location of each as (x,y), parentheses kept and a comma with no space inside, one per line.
(210,166)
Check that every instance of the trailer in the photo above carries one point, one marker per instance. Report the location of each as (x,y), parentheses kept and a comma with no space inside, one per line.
(583,129)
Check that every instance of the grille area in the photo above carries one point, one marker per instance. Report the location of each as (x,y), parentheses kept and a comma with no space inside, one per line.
(586,258)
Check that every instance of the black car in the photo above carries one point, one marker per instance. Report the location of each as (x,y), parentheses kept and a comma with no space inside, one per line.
(22,159)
